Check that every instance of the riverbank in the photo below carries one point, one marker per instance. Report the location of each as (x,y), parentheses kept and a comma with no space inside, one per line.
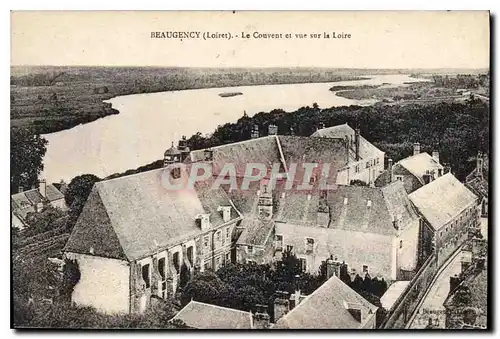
(50,99)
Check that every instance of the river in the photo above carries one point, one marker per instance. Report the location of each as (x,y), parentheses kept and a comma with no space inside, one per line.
(148,123)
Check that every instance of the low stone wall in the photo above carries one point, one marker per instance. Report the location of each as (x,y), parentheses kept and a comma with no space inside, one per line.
(405,305)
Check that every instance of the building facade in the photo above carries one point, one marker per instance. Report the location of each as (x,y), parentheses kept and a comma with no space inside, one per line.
(449,210)
(365,162)
(136,239)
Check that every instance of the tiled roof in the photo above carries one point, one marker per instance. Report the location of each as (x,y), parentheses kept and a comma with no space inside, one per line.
(369,209)
(256,231)
(33,196)
(260,150)
(144,216)
(206,316)
(419,164)
(283,150)
(20,200)
(52,193)
(326,308)
(442,200)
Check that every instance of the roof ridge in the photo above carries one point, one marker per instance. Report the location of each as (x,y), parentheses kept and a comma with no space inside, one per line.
(233,143)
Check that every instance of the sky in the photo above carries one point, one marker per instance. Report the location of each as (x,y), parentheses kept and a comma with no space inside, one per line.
(456,39)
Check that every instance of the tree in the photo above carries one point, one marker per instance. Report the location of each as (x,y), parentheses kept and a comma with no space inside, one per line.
(26,158)
(76,195)
(79,188)
(204,287)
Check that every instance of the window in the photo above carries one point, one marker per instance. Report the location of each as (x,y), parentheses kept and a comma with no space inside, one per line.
(365,269)
(217,262)
(289,248)
(309,245)
(206,240)
(217,236)
(145,275)
(161,268)
(228,232)
(399,177)
(356,169)
(189,254)
(228,257)
(175,259)
(367,164)
(207,265)
(279,242)
(400,243)
(250,249)
(303,264)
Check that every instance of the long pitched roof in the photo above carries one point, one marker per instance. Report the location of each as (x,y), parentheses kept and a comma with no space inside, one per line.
(370,209)
(207,316)
(134,216)
(326,308)
(274,149)
(442,200)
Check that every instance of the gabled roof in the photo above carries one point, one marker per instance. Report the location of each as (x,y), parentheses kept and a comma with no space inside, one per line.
(326,308)
(371,209)
(366,148)
(136,216)
(442,200)
(207,316)
(419,164)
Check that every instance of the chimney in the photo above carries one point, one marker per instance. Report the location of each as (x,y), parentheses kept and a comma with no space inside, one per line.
(355,310)
(390,170)
(356,139)
(435,156)
(479,164)
(226,212)
(20,189)
(281,305)
(272,129)
(416,148)
(292,131)
(261,319)
(255,132)
(203,221)
(183,148)
(295,298)
(265,203)
(321,125)
(332,267)
(43,188)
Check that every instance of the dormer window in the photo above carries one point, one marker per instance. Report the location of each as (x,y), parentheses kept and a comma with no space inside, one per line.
(203,221)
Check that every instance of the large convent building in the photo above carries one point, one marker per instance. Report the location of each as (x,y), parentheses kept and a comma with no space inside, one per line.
(135,239)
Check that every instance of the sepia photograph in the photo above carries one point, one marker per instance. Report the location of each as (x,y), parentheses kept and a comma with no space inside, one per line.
(250,170)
